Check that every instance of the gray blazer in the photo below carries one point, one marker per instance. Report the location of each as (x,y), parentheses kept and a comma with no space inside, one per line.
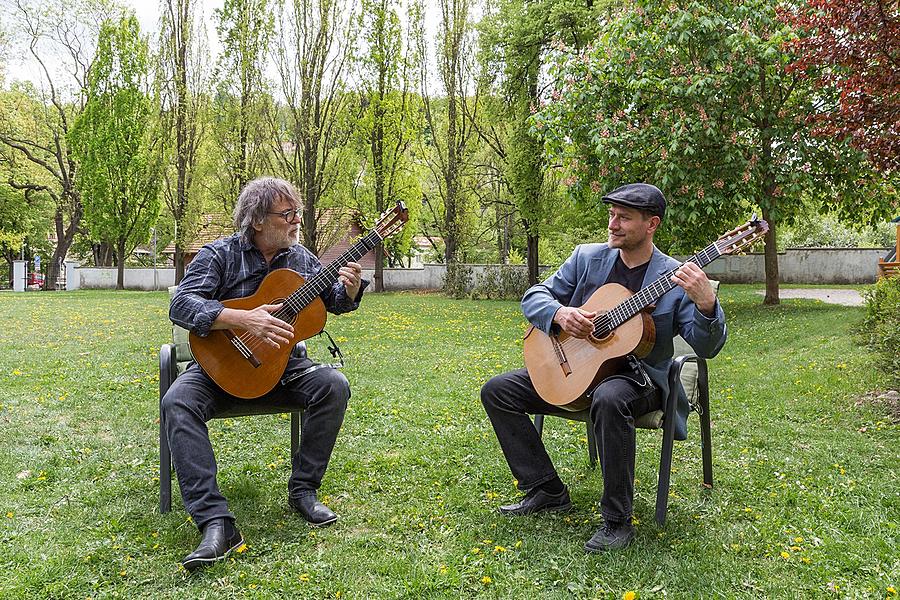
(675,314)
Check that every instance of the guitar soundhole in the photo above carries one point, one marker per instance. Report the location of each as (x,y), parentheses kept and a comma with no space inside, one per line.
(284,313)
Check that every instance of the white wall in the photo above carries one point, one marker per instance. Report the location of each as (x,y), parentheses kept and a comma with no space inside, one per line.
(796,265)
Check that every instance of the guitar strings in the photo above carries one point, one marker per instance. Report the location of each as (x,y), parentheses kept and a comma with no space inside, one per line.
(605,323)
(306,293)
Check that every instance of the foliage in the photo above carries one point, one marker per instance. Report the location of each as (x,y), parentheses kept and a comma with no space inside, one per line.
(514,40)
(116,144)
(500,282)
(389,123)
(183,80)
(241,105)
(881,328)
(457,280)
(858,44)
(827,231)
(698,99)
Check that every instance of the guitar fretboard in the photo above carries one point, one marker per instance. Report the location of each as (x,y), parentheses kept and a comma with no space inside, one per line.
(325,278)
(606,323)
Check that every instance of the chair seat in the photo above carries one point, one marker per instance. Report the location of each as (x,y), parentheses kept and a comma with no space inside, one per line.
(651,420)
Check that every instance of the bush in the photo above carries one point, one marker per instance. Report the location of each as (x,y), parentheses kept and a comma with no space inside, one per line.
(881,327)
(503,282)
(456,281)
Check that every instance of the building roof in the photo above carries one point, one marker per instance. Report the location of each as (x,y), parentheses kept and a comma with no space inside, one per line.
(212,227)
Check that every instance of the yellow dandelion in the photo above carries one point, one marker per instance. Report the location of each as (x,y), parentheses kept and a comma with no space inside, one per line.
(476,550)
(499,549)
(785,555)
(629,595)
(304,577)
(486,580)
(241,549)
(892,590)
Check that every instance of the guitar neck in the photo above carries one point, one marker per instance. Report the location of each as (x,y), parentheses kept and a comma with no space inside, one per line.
(655,290)
(326,278)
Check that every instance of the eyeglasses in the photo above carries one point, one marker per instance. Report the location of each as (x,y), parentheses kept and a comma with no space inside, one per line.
(288,215)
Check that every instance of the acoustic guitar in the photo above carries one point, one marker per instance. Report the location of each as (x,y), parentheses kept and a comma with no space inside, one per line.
(564,368)
(245,366)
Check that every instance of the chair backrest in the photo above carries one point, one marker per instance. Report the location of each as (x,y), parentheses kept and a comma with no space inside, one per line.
(689,372)
(183,355)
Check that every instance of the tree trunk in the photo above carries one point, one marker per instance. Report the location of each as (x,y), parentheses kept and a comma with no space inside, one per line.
(771,251)
(120,253)
(533,266)
(178,259)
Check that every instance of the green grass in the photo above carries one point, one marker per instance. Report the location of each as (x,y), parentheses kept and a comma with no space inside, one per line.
(805,504)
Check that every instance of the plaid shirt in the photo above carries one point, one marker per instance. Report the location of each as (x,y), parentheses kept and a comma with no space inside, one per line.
(232,267)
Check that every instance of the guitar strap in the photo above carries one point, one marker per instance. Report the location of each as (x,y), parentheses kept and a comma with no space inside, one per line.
(335,353)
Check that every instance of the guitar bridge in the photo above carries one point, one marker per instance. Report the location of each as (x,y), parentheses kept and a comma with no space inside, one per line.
(243,349)
(560,355)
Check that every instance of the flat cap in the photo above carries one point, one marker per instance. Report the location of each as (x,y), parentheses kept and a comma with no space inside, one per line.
(642,196)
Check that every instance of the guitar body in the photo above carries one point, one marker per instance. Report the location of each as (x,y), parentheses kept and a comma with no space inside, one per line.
(231,370)
(564,368)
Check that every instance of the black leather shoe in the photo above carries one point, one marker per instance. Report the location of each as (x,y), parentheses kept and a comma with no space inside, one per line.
(612,536)
(220,537)
(537,500)
(315,513)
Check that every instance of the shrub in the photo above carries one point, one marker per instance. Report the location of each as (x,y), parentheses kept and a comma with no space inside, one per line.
(881,327)
(456,281)
(503,282)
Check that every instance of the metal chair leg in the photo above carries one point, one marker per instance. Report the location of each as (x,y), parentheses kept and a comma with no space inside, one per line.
(665,455)
(295,434)
(165,469)
(593,450)
(705,433)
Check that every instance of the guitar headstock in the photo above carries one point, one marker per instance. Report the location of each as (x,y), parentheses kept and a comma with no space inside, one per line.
(741,237)
(392,220)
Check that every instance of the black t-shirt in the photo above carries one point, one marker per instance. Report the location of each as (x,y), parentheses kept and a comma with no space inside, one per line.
(630,278)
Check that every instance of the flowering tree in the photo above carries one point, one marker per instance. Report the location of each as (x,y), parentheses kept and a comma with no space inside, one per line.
(697,98)
(858,44)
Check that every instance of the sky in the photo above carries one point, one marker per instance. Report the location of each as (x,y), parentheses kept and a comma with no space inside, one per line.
(148,13)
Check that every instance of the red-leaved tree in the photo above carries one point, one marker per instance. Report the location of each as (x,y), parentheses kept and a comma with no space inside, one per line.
(852,47)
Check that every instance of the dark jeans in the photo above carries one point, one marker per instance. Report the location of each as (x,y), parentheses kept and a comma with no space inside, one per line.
(194,399)
(508,400)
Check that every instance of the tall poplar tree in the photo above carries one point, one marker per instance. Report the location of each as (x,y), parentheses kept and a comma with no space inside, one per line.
(116,144)
(183,95)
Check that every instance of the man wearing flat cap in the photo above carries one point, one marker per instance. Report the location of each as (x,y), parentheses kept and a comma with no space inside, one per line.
(690,309)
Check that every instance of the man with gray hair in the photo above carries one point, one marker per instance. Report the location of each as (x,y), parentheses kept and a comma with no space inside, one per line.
(267,219)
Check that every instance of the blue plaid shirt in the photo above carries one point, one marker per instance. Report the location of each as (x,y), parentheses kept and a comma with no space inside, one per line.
(233,267)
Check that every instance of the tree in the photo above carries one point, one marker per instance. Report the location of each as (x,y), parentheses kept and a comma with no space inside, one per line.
(60,36)
(389,122)
(515,40)
(115,142)
(311,139)
(452,135)
(183,81)
(853,47)
(241,103)
(699,100)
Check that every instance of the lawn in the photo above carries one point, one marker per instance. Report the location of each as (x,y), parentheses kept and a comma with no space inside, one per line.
(805,504)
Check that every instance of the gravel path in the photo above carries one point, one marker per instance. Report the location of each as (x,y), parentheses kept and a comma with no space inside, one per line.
(844,296)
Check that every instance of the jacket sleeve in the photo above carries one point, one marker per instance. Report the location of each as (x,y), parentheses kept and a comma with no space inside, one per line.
(706,335)
(542,300)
